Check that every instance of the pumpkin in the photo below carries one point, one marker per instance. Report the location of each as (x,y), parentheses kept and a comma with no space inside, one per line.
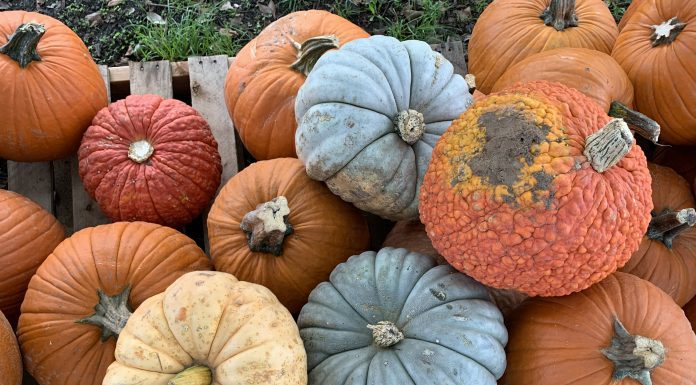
(51,88)
(84,292)
(209,328)
(655,48)
(619,330)
(264,78)
(149,159)
(678,158)
(536,189)
(628,13)
(667,255)
(369,115)
(10,359)
(411,235)
(690,311)
(396,317)
(272,225)
(511,30)
(28,234)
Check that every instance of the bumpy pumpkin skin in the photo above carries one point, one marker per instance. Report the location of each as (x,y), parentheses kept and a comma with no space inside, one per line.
(510,30)
(559,340)
(663,76)
(260,87)
(452,334)
(671,269)
(28,234)
(594,73)
(527,211)
(143,256)
(325,230)
(237,329)
(172,185)
(350,132)
(49,104)
(10,359)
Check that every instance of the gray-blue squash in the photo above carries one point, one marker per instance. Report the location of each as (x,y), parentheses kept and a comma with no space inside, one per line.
(368,117)
(395,317)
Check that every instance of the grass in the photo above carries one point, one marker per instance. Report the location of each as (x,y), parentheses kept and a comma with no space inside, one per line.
(617,7)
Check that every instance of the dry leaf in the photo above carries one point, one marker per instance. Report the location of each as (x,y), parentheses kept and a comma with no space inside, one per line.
(268,9)
(226,6)
(155,18)
(113,3)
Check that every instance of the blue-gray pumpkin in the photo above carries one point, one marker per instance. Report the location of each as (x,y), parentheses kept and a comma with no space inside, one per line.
(369,116)
(395,317)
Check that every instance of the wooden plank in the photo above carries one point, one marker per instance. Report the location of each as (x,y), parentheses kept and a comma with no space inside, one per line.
(104,71)
(153,77)
(33,180)
(179,69)
(454,52)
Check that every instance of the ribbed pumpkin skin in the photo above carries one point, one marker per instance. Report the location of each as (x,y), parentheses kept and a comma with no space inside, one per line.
(672,270)
(594,73)
(48,105)
(510,30)
(10,359)
(326,230)
(550,225)
(144,256)
(664,77)
(260,87)
(559,340)
(28,234)
(628,13)
(174,185)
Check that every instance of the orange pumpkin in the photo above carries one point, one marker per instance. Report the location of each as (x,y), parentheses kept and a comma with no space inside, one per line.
(510,30)
(623,330)
(628,13)
(680,159)
(656,49)
(667,255)
(28,234)
(264,78)
(86,290)
(10,360)
(273,225)
(51,88)
(535,188)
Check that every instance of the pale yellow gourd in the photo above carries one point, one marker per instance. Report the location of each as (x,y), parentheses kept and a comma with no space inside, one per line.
(208,328)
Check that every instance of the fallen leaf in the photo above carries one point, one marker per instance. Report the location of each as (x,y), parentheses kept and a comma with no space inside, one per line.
(226,6)
(94,18)
(155,18)
(113,3)
(268,9)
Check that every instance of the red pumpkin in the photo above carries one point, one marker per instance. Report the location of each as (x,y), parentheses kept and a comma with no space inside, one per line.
(51,88)
(149,159)
(28,234)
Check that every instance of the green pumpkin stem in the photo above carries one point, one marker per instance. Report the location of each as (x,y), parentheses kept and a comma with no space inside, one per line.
(668,224)
(385,334)
(311,50)
(195,375)
(21,45)
(267,226)
(633,356)
(560,14)
(641,124)
(111,314)
(667,32)
(609,145)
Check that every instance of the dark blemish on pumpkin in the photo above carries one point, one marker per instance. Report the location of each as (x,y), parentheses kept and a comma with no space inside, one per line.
(438,294)
(449,307)
(544,183)
(350,124)
(207,274)
(181,314)
(199,283)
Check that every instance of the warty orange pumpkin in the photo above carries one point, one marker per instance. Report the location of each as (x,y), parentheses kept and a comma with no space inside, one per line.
(536,189)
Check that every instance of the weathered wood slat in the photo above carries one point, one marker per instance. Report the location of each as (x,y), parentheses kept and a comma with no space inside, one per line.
(62,193)
(455,53)
(151,78)
(33,180)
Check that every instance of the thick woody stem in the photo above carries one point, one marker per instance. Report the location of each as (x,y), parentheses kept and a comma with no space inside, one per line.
(140,151)
(21,45)
(609,145)
(311,50)
(669,223)
(410,125)
(195,375)
(642,125)
(385,334)
(560,14)
(666,32)
(111,313)
(267,226)
(633,356)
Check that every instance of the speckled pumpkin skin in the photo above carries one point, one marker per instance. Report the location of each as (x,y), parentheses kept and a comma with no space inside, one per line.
(560,226)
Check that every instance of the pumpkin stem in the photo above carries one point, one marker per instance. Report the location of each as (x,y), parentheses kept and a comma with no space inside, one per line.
(311,50)
(609,145)
(643,125)
(560,14)
(669,223)
(195,375)
(267,226)
(21,45)
(140,151)
(633,356)
(410,125)
(666,32)
(385,334)
(111,313)
(470,80)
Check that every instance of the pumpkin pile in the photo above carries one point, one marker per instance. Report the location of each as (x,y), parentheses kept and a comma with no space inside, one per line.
(539,229)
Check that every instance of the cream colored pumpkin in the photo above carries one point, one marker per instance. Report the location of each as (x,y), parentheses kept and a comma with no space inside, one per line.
(204,320)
